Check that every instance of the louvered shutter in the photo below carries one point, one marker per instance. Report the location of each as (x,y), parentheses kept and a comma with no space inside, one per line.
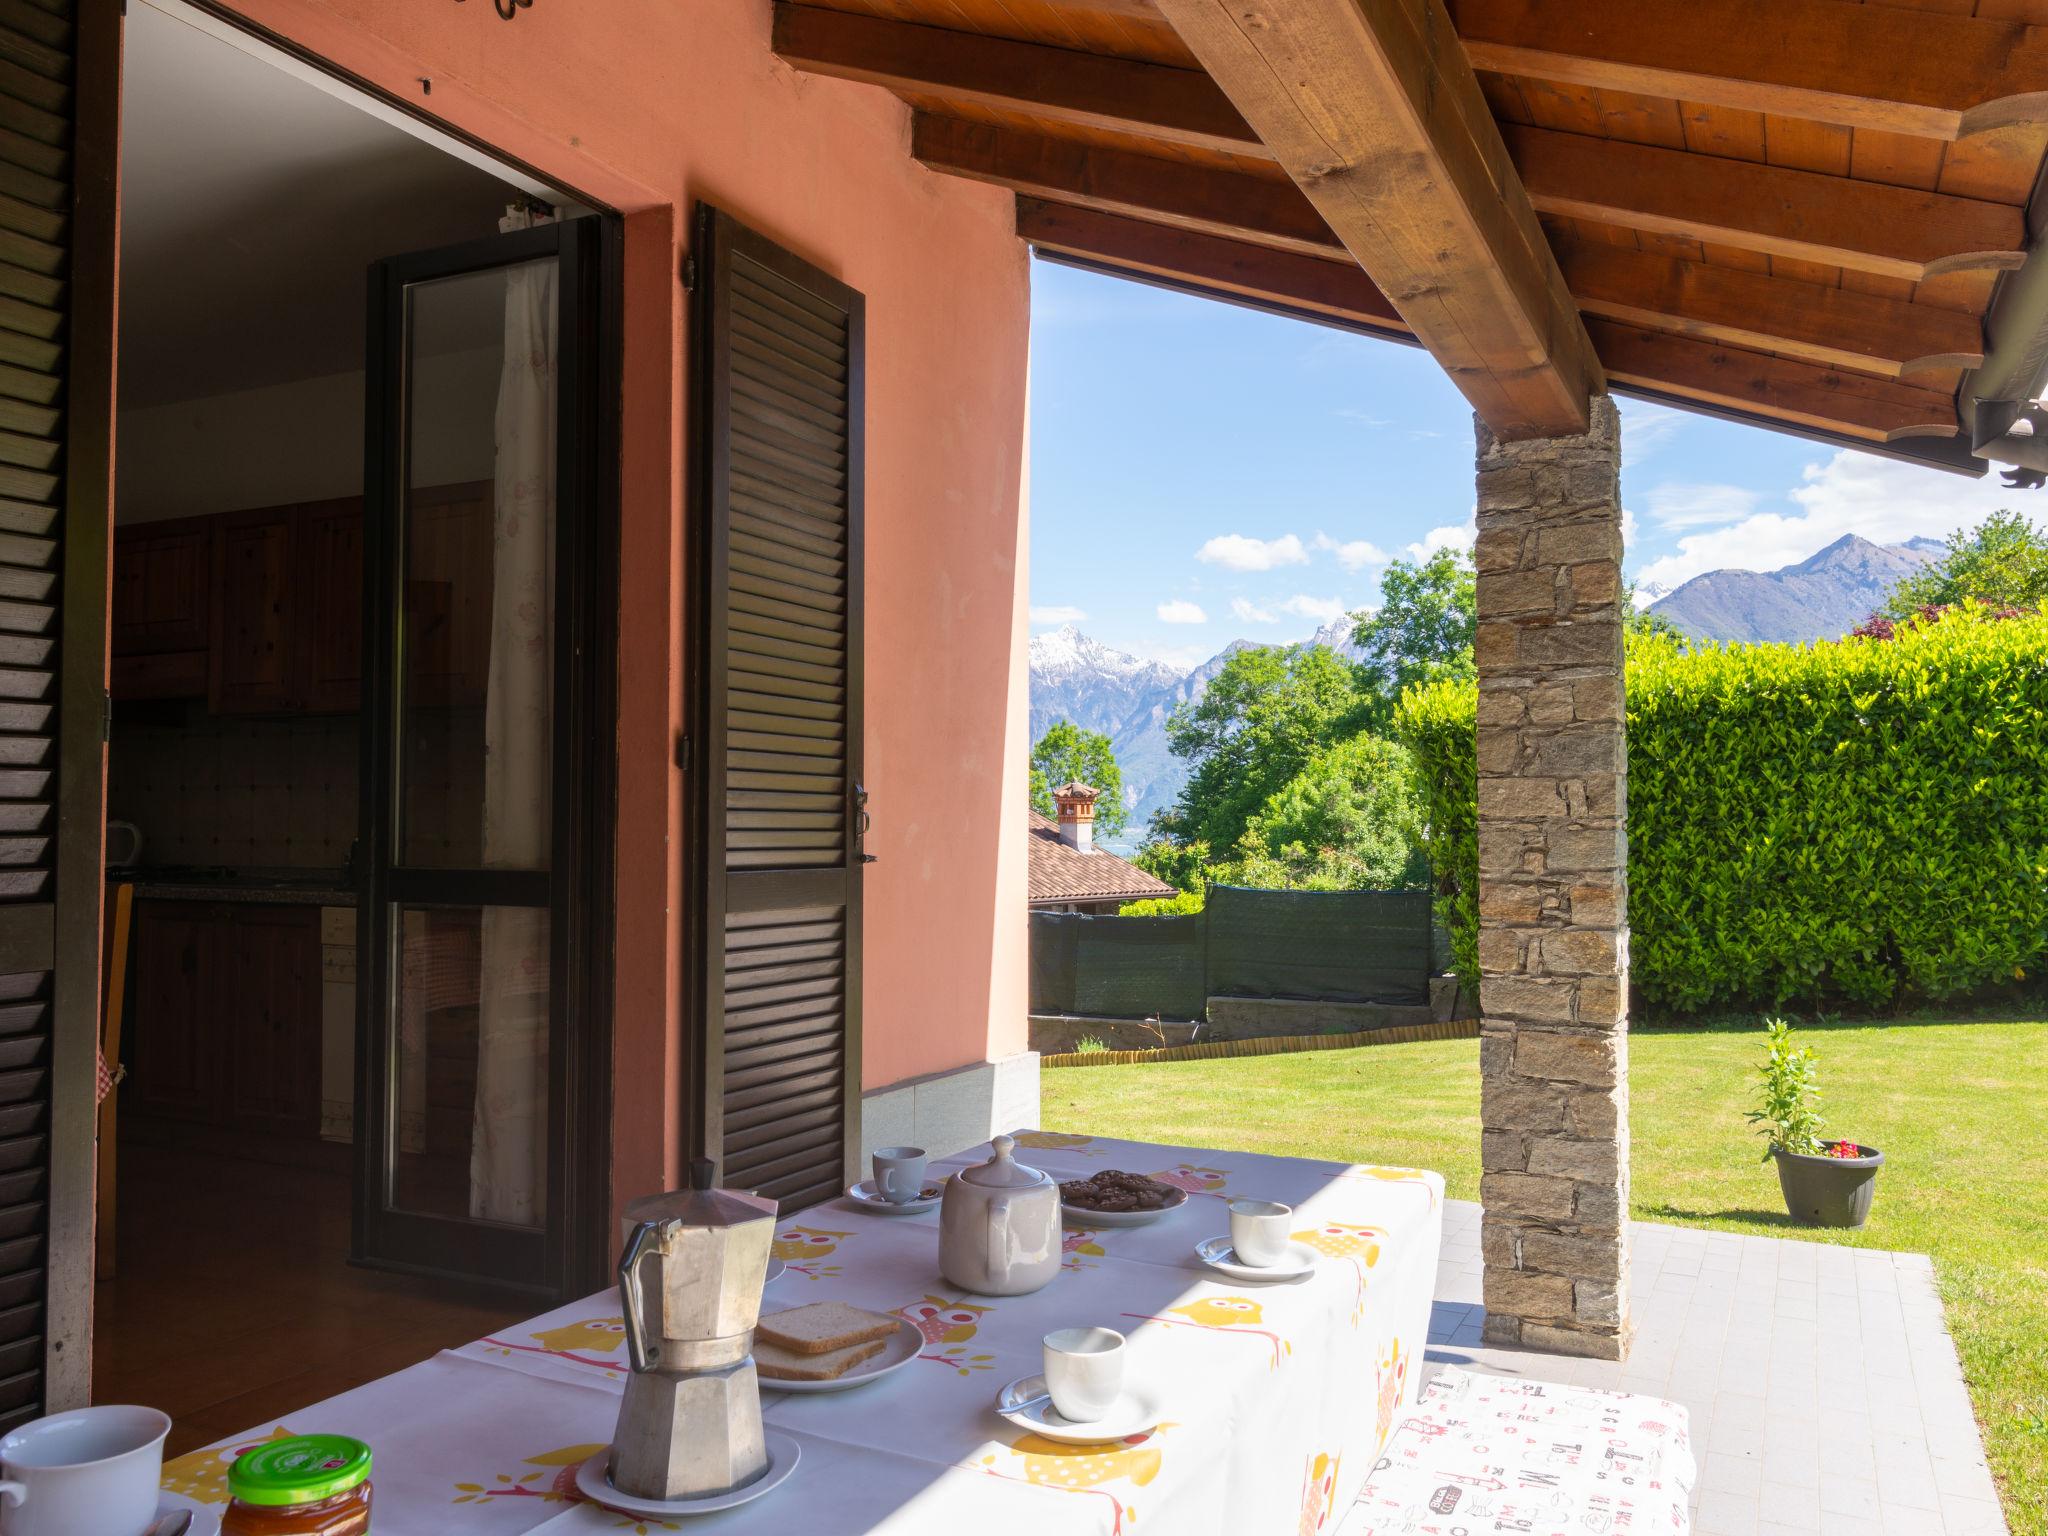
(779,354)
(59,111)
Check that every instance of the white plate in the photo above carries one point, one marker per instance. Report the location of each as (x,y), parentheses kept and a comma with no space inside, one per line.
(776,1270)
(1216,1252)
(903,1346)
(1081,1216)
(1135,1413)
(867,1198)
(205,1517)
(594,1483)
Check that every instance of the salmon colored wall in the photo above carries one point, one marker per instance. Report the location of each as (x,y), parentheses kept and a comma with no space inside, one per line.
(646,106)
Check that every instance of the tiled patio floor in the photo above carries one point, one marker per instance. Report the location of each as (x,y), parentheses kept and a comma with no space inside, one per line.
(1754,1335)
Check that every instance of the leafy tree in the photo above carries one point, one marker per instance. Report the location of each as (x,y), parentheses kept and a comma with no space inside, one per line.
(1348,821)
(1184,866)
(1066,753)
(1423,628)
(2001,563)
(1186,904)
(1257,725)
(1637,622)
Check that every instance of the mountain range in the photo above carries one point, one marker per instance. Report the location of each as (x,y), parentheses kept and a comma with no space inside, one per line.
(1128,698)
(1822,597)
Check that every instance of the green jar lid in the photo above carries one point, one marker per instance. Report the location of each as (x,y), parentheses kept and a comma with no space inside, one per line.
(301,1470)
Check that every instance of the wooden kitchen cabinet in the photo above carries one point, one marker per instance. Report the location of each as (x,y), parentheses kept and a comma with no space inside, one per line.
(162,621)
(328,606)
(252,668)
(225,1019)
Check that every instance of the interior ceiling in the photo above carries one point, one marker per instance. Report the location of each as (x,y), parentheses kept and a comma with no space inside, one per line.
(1813,246)
(252,204)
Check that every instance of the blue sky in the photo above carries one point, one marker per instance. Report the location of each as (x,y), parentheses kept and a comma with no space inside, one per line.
(1202,473)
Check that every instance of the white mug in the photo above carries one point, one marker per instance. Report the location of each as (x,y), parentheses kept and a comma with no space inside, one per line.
(899,1173)
(1258,1231)
(90,1472)
(1084,1372)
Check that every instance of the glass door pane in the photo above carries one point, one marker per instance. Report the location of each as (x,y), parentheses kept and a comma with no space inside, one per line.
(463,931)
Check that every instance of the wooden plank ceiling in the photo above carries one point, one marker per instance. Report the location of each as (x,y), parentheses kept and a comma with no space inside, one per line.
(1793,211)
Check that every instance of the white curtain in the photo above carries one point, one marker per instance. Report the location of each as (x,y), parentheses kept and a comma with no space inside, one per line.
(508,1150)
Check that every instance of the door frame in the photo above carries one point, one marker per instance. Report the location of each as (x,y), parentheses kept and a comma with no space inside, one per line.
(583,732)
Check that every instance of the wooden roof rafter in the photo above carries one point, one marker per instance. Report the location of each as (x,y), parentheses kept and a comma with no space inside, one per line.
(1783,266)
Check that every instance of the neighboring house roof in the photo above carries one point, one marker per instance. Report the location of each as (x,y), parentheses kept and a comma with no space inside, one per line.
(1060,874)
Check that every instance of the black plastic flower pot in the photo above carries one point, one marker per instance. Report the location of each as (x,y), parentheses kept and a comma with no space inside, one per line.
(1829,1191)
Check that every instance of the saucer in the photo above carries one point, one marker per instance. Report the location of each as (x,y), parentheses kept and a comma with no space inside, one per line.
(904,1346)
(1137,1412)
(776,1270)
(205,1517)
(593,1481)
(1216,1252)
(866,1197)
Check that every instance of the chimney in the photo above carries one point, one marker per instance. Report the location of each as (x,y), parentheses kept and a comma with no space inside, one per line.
(1076,802)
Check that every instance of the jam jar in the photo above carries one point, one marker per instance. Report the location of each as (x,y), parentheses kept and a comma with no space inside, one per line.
(307,1485)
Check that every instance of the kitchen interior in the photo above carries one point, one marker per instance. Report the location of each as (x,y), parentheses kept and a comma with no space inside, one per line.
(255,197)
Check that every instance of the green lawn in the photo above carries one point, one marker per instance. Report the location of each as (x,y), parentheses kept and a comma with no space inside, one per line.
(1959,1108)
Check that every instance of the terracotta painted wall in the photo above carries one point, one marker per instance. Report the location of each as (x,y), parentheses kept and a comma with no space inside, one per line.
(648,105)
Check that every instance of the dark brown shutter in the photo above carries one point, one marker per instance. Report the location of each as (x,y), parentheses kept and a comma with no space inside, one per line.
(59,105)
(779,355)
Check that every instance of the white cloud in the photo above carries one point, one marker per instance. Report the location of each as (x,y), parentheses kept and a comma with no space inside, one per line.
(1364,418)
(1247,612)
(1181,611)
(1182,658)
(1883,500)
(1352,554)
(1321,609)
(1057,614)
(1238,552)
(1449,536)
(1677,504)
(1647,428)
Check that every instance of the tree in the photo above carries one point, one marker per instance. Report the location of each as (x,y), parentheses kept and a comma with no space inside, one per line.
(1423,628)
(1066,753)
(2001,563)
(1348,821)
(1637,622)
(1264,715)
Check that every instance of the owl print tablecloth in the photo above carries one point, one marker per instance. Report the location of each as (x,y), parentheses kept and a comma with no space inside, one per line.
(1276,1399)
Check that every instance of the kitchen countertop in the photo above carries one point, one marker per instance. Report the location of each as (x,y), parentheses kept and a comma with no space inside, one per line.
(303,887)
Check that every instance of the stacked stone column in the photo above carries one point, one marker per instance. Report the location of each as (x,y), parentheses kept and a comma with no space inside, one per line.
(1553,905)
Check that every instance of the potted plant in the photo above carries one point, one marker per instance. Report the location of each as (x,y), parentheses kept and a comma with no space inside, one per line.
(1825,1183)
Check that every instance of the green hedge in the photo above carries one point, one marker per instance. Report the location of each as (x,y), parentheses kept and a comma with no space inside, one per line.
(1840,822)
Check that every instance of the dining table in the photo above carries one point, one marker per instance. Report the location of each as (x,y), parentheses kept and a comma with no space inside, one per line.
(1274,1398)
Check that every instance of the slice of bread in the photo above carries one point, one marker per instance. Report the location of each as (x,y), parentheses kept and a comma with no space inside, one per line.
(822,1326)
(775,1364)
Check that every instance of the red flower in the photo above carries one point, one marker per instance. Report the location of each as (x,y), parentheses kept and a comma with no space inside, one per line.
(1843,1149)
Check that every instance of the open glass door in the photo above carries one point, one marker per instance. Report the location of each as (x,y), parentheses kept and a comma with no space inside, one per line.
(479,491)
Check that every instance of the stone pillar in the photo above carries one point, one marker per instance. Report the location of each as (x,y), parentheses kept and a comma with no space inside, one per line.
(1553,903)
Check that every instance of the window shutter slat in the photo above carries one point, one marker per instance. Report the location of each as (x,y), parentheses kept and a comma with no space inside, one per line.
(780,389)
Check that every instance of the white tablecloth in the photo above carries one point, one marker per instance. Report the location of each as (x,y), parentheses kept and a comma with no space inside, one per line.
(1277,1397)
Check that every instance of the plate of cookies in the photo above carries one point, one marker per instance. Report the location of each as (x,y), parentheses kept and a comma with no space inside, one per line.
(1113,1198)
(830,1346)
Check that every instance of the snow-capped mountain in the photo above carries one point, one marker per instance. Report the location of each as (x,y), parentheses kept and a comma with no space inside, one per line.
(1082,680)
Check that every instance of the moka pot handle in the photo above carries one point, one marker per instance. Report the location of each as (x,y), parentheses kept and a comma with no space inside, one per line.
(644,1244)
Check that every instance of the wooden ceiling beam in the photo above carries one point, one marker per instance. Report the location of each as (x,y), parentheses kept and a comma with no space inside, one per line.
(1174,192)
(1783,389)
(1181,106)
(1834,327)
(1743,381)
(1930,74)
(1371,107)
(1335,290)
(1867,227)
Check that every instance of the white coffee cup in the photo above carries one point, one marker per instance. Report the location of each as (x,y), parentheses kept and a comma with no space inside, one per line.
(89,1472)
(1084,1372)
(1258,1231)
(899,1173)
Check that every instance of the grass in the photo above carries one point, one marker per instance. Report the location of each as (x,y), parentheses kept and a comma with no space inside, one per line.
(1956,1106)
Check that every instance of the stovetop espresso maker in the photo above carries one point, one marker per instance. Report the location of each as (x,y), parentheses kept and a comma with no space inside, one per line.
(690,1280)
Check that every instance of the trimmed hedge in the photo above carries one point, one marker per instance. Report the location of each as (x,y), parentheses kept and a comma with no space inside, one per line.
(1839,822)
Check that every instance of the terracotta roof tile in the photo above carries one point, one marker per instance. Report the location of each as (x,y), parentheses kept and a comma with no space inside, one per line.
(1063,874)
